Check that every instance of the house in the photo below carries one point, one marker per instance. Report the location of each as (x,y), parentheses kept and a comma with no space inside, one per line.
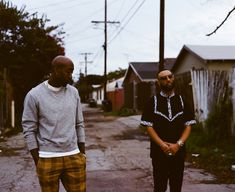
(97,93)
(115,93)
(139,82)
(204,57)
(202,74)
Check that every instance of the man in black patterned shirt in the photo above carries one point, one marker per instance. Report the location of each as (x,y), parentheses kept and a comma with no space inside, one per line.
(168,121)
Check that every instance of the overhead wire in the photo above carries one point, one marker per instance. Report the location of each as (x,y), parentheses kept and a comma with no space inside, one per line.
(120,9)
(82,39)
(121,29)
(57,3)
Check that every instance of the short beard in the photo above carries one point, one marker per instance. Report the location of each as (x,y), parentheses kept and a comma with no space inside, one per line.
(168,88)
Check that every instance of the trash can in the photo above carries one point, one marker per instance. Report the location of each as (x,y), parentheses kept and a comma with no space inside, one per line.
(107,105)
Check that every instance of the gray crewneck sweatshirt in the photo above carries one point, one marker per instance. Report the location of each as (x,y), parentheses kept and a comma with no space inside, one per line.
(53,121)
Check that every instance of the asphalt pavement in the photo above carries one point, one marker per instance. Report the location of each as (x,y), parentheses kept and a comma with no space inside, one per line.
(117,160)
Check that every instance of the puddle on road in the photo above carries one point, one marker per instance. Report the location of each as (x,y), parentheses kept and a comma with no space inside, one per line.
(101,147)
(132,134)
(7,152)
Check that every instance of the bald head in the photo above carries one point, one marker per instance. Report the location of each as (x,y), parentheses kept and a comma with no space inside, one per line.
(60,61)
(62,69)
(163,73)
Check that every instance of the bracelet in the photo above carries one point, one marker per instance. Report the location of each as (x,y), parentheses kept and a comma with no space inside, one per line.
(180,143)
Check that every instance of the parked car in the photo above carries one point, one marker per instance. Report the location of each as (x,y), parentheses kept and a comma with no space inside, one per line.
(92,102)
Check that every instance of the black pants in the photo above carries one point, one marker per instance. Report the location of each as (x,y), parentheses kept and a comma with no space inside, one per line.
(168,169)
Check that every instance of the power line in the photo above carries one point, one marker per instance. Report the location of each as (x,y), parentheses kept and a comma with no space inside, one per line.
(85,38)
(120,9)
(94,13)
(58,3)
(126,15)
(132,7)
(138,8)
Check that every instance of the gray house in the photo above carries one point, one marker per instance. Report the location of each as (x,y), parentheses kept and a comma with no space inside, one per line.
(204,75)
(204,57)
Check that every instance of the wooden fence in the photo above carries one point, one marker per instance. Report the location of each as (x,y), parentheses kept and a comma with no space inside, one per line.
(211,88)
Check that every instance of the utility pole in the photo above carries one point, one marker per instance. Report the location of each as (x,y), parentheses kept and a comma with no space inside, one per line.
(105,44)
(85,75)
(86,62)
(161,36)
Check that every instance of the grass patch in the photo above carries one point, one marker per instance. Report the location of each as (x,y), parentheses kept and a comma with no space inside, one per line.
(215,156)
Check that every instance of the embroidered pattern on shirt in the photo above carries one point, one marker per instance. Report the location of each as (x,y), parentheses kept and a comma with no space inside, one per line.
(146,123)
(169,108)
(169,118)
(190,122)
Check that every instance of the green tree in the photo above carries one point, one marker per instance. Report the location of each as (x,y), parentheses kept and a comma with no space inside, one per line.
(116,74)
(27,46)
(84,85)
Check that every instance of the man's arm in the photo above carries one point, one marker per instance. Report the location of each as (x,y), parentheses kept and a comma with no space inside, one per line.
(80,127)
(35,155)
(154,136)
(30,126)
(174,147)
(81,147)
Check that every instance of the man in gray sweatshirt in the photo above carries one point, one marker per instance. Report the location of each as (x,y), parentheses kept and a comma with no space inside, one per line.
(53,128)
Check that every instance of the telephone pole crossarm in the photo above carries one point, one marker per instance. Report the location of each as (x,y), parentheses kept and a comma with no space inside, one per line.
(105,22)
(86,62)
(108,22)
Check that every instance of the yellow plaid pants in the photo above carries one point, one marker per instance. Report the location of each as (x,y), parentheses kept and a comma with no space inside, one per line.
(71,170)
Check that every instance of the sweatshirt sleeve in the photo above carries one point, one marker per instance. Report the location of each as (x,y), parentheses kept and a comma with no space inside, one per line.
(80,128)
(30,122)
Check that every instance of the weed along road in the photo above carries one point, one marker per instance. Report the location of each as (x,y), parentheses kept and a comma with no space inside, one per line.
(117,160)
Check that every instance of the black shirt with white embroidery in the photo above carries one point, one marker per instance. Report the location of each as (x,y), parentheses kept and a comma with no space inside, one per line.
(168,115)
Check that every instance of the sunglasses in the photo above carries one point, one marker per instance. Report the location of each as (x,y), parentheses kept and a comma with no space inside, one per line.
(166,77)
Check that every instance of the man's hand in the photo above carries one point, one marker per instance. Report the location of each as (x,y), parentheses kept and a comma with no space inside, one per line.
(81,147)
(165,148)
(35,155)
(173,148)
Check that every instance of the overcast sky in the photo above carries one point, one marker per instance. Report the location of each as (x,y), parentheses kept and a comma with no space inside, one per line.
(136,38)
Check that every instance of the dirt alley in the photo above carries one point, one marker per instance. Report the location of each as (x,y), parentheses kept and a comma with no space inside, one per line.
(117,160)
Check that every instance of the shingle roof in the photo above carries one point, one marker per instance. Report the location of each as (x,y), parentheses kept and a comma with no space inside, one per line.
(148,70)
(145,70)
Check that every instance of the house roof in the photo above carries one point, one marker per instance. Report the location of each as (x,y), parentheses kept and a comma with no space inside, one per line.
(212,52)
(207,53)
(146,71)
(110,86)
(116,84)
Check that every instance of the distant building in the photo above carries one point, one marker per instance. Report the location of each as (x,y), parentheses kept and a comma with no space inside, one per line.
(139,82)
(97,93)
(115,93)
